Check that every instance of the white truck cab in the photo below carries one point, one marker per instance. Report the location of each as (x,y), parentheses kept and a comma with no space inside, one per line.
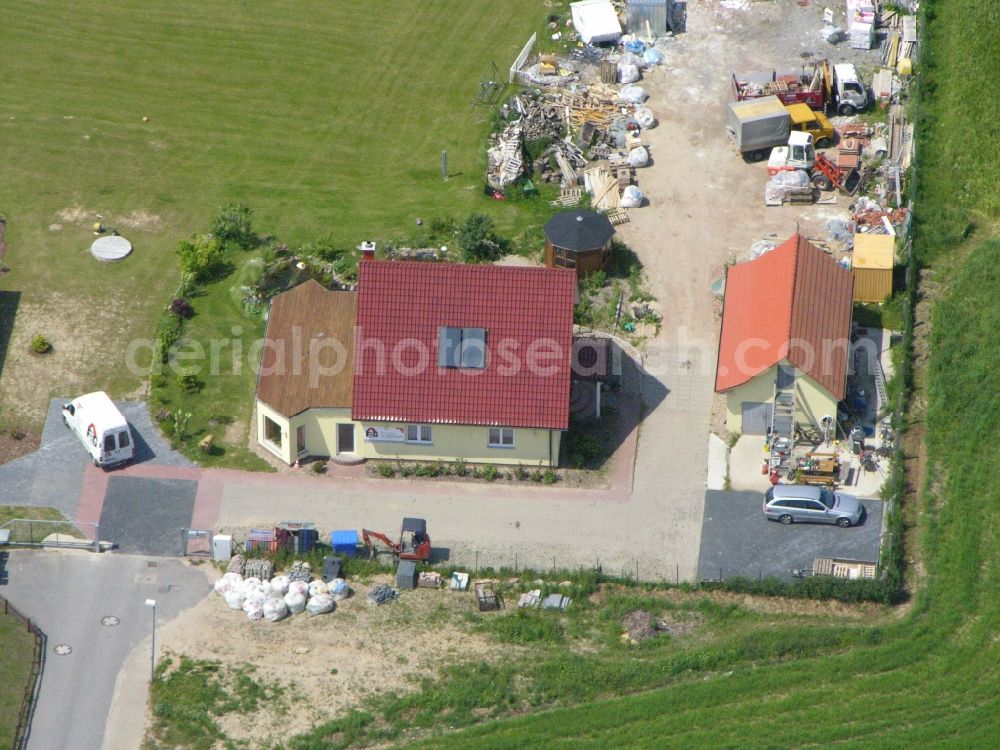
(101,428)
(850,93)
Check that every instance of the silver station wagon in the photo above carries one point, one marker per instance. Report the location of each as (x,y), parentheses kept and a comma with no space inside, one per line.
(801,503)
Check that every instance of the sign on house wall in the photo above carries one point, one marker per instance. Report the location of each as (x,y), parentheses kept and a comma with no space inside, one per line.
(384,435)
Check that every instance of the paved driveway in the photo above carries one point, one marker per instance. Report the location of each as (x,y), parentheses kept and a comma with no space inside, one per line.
(736,539)
(145,516)
(67,594)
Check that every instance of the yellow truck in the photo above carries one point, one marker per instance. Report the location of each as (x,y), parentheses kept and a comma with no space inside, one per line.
(815,123)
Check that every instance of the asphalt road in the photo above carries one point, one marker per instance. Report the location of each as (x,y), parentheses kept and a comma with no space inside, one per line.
(737,540)
(67,593)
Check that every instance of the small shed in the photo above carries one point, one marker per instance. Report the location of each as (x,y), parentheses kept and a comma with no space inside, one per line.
(580,240)
(872,264)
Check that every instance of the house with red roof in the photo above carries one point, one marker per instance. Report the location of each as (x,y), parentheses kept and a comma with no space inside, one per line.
(786,329)
(425,361)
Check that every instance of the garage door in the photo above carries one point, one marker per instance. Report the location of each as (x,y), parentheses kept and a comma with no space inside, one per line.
(756,418)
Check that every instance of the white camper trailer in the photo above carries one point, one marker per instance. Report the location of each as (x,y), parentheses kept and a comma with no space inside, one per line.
(101,428)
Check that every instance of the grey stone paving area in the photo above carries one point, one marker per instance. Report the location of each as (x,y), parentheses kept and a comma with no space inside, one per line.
(145,516)
(737,540)
(52,476)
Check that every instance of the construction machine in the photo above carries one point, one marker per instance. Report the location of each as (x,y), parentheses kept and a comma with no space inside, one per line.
(413,544)
(824,174)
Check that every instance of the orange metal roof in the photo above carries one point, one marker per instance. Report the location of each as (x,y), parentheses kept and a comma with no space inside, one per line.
(794,303)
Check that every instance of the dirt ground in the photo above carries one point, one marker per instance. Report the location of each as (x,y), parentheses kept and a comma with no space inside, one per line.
(328,663)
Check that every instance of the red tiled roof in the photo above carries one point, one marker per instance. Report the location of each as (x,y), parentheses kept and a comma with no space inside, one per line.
(402,305)
(792,303)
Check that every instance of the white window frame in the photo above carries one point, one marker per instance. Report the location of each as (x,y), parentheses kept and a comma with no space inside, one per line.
(425,434)
(502,434)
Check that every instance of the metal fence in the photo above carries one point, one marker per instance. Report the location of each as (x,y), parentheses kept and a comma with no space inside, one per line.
(196,542)
(29,532)
(30,698)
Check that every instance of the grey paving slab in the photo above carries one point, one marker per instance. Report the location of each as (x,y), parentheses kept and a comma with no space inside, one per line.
(145,516)
(67,594)
(52,476)
(737,540)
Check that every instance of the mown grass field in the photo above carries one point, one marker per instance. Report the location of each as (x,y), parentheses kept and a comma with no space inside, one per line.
(324,117)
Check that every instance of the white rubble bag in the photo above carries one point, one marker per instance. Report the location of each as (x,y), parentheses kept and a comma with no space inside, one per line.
(632,197)
(638,157)
(234,599)
(296,602)
(320,604)
(628,73)
(275,609)
(634,94)
(339,589)
(644,116)
(298,587)
(279,585)
(317,587)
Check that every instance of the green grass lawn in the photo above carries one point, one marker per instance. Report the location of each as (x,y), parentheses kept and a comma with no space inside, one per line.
(326,118)
(15,667)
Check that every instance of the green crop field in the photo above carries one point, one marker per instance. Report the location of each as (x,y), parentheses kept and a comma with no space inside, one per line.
(324,117)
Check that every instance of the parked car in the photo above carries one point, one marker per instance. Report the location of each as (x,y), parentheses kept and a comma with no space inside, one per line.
(790,503)
(101,428)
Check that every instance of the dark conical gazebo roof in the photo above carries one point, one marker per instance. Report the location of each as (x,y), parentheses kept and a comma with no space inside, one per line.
(579,230)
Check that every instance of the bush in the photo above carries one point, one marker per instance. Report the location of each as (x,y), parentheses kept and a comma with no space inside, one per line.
(189,382)
(386,471)
(202,258)
(520,473)
(181,307)
(477,240)
(168,333)
(536,475)
(549,477)
(40,344)
(490,472)
(234,223)
(319,467)
(461,469)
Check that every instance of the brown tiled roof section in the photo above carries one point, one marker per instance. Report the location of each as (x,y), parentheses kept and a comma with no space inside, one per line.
(821,317)
(300,328)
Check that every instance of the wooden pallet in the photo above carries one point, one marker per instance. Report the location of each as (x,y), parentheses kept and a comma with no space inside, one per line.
(617,216)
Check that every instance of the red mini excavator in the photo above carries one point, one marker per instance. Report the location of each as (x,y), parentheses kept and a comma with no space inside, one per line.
(414,544)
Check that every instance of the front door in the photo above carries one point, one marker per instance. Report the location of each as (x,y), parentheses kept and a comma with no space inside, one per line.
(345,438)
(300,439)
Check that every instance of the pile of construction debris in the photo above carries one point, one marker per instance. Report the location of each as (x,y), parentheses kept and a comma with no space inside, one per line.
(580,131)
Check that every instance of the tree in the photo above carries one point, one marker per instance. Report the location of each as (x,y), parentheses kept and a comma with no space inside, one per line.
(235,223)
(477,239)
(204,257)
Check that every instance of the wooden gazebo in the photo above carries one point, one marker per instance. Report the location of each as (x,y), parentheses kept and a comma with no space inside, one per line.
(580,240)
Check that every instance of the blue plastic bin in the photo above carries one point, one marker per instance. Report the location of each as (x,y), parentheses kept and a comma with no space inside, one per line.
(344,542)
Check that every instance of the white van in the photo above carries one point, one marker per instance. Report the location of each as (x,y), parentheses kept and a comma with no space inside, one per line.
(101,428)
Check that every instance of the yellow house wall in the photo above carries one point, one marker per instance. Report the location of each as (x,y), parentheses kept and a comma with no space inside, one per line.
(450,442)
(812,401)
(760,389)
(284,450)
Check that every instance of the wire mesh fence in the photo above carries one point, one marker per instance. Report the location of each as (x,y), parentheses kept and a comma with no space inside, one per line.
(29,532)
